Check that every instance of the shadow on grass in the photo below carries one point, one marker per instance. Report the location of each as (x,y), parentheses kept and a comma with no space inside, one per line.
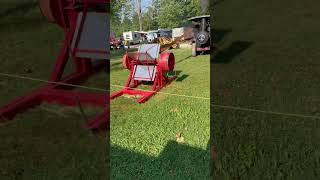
(178,75)
(23,23)
(175,161)
(181,78)
(217,2)
(117,54)
(22,7)
(117,68)
(219,34)
(116,64)
(181,60)
(226,55)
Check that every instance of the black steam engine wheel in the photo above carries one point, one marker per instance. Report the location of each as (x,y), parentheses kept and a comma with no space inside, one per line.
(201,40)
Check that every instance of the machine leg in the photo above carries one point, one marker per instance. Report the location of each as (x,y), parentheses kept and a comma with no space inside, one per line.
(117,94)
(20,105)
(145,97)
(101,122)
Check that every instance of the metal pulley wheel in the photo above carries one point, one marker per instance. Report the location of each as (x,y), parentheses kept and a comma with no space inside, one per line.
(126,61)
(166,61)
(202,37)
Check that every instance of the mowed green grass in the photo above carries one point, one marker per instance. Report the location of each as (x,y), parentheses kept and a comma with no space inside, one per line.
(267,59)
(47,142)
(143,136)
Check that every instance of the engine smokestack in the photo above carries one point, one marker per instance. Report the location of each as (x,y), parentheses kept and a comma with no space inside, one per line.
(204,6)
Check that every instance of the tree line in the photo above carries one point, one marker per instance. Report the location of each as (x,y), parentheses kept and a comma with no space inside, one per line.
(131,15)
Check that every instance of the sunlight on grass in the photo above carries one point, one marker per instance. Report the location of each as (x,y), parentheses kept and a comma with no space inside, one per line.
(148,128)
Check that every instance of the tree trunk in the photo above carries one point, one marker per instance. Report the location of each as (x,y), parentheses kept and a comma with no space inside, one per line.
(138,10)
(140,23)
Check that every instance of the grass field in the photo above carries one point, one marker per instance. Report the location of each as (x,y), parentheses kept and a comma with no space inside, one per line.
(143,136)
(267,59)
(46,142)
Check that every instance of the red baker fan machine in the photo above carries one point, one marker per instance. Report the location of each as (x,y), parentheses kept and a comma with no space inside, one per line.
(86,27)
(150,63)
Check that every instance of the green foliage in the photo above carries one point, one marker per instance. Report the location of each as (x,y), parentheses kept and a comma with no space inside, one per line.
(160,14)
(174,13)
(149,17)
(119,18)
(135,23)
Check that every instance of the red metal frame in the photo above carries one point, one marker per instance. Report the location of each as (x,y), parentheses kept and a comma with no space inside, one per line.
(150,75)
(159,82)
(61,94)
(203,49)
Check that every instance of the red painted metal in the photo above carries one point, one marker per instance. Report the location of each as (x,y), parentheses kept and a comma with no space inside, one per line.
(203,49)
(166,61)
(126,61)
(92,51)
(65,13)
(164,64)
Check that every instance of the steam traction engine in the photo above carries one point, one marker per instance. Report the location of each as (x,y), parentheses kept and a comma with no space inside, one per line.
(149,64)
(86,28)
(201,40)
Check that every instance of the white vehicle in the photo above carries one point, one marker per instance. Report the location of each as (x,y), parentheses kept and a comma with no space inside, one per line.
(143,37)
(152,36)
(133,37)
